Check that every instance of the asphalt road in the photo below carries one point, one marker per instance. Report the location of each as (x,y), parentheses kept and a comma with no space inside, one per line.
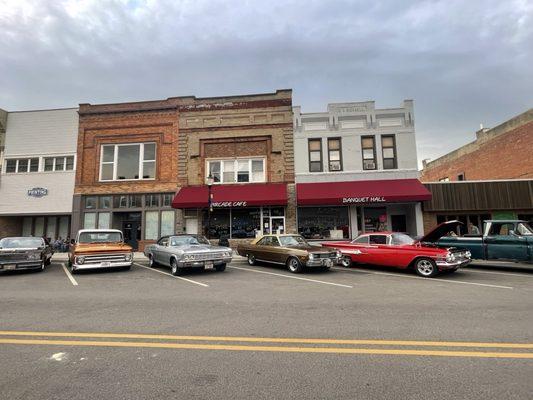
(263,333)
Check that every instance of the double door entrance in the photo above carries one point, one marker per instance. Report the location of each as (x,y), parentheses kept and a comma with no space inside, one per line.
(274,225)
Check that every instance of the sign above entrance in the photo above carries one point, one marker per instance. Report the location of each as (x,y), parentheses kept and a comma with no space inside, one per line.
(229,204)
(37,192)
(367,199)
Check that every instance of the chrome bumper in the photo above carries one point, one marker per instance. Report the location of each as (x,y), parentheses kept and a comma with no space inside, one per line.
(20,265)
(322,262)
(442,265)
(102,265)
(201,263)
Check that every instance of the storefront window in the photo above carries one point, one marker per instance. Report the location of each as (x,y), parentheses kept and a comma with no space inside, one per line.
(135,201)
(63,227)
(51,227)
(39,227)
(375,219)
(167,199)
(219,223)
(152,223)
(151,200)
(90,202)
(104,220)
(323,222)
(105,202)
(245,222)
(26,226)
(167,223)
(89,220)
(121,201)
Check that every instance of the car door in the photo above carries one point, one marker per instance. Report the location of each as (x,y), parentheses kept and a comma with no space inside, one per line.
(158,248)
(258,251)
(504,243)
(270,252)
(382,253)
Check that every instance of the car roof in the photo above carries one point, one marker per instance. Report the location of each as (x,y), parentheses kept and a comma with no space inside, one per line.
(23,237)
(98,230)
(505,221)
(378,233)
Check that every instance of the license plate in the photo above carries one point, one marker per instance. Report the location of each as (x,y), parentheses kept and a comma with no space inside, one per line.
(10,267)
(105,264)
(328,262)
(208,265)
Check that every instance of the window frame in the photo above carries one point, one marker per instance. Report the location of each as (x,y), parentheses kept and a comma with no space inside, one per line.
(395,158)
(235,171)
(309,154)
(28,167)
(54,163)
(373,137)
(330,139)
(114,163)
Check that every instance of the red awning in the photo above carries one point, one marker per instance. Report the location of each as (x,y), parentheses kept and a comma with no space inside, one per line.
(361,192)
(247,195)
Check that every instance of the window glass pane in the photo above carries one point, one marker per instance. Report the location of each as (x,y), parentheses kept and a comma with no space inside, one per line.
(323,222)
(167,223)
(23,165)
(105,202)
(121,201)
(128,162)
(214,170)
(149,170)
(149,151)
(218,224)
(11,165)
(388,163)
(243,165)
(367,143)
(34,165)
(368,154)
(334,144)
(243,174)
(89,220)
(335,165)
(104,220)
(49,164)
(152,223)
(151,200)
(315,166)
(26,226)
(107,172)
(108,154)
(90,202)
(314,145)
(334,155)
(387,141)
(314,156)
(388,153)
(257,170)
(38,229)
(167,200)
(51,223)
(63,227)
(245,222)
(229,171)
(60,163)
(135,200)
(70,163)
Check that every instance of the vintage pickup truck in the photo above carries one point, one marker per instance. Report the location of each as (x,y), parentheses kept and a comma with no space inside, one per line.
(501,240)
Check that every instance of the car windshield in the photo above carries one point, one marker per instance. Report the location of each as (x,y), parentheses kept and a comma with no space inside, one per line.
(401,238)
(20,243)
(100,237)
(292,241)
(524,229)
(188,240)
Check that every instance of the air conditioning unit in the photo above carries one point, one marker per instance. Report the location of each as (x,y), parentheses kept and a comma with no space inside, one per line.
(370,165)
(334,167)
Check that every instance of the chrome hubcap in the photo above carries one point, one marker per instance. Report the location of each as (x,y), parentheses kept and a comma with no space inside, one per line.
(251,260)
(151,261)
(293,265)
(346,262)
(425,267)
(174,267)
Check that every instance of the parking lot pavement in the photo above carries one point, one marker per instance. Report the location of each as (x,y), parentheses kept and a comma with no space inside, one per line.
(257,332)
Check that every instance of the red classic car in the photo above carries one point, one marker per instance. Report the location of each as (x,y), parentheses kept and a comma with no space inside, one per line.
(399,250)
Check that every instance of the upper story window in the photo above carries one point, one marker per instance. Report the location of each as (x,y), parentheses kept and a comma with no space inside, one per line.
(239,170)
(127,161)
(20,165)
(388,148)
(461,177)
(445,179)
(368,145)
(334,154)
(63,163)
(315,155)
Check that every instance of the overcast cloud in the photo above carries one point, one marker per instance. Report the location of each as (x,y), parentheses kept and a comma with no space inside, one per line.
(463,62)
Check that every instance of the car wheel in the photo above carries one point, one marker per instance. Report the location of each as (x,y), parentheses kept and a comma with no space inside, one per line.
(151,261)
(251,259)
(346,261)
(426,267)
(294,265)
(73,269)
(43,264)
(48,261)
(174,268)
(220,267)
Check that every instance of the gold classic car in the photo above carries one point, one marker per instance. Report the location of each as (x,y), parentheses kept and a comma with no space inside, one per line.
(100,248)
(290,250)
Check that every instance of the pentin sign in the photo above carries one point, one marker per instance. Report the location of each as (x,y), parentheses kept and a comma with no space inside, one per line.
(38,192)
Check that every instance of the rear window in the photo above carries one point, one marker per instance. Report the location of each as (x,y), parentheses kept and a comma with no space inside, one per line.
(100,237)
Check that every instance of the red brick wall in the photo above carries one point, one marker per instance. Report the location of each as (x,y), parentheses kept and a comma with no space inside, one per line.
(507,156)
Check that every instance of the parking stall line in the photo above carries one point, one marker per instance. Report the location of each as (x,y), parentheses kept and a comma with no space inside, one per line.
(172,276)
(434,280)
(499,273)
(69,275)
(293,277)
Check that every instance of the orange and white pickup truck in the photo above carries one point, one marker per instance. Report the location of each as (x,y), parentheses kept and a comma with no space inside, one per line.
(100,248)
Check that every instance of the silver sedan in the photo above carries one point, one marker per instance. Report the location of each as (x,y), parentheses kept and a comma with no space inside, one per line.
(180,252)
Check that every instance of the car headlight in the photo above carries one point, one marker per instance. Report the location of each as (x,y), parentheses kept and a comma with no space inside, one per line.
(128,256)
(34,256)
(226,254)
(468,254)
(311,256)
(450,257)
(80,260)
(339,254)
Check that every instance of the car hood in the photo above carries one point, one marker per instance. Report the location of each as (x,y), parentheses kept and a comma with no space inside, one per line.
(101,247)
(201,248)
(439,231)
(312,249)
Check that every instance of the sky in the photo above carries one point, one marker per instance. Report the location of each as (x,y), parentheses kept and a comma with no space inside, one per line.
(464,63)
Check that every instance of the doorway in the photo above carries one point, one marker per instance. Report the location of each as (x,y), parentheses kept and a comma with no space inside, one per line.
(131,228)
(277,225)
(191,226)
(399,223)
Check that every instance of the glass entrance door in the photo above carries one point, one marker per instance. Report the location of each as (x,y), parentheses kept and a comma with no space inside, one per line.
(277,225)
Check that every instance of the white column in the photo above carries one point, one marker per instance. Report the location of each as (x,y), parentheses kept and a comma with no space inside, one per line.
(419,219)
(354,229)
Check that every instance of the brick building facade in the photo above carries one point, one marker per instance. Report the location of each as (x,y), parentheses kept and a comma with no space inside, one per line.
(503,152)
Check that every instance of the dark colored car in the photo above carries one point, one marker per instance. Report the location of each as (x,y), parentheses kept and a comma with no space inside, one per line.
(290,250)
(20,253)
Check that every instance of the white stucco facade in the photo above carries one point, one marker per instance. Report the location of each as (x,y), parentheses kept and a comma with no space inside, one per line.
(39,135)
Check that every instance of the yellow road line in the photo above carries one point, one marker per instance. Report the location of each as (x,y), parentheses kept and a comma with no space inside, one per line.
(280,349)
(377,342)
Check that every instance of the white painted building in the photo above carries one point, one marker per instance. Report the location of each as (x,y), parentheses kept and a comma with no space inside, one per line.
(38,172)
(356,171)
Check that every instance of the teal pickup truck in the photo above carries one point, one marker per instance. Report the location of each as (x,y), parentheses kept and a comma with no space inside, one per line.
(501,240)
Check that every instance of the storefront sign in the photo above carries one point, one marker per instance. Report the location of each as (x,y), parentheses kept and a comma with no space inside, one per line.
(229,204)
(367,199)
(38,192)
